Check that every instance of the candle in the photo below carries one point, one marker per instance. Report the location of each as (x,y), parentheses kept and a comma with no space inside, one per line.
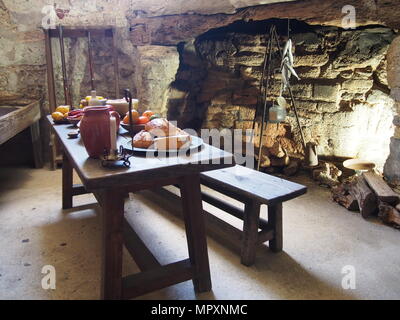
(113,135)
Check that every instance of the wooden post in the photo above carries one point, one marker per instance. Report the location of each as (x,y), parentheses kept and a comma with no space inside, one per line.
(195,231)
(116,67)
(251,221)
(52,95)
(67,182)
(275,219)
(112,203)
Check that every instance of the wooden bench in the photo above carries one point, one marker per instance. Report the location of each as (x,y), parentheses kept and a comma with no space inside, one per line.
(253,188)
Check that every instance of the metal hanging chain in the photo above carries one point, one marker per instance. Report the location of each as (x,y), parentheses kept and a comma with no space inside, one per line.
(292,97)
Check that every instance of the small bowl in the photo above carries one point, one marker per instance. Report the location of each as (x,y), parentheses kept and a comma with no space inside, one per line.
(74,121)
(359,165)
(136,127)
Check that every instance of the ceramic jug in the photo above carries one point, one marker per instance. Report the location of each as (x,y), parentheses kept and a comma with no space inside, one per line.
(95,129)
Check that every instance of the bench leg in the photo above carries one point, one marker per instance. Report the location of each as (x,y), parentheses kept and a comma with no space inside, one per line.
(250,232)
(275,220)
(195,232)
(66,183)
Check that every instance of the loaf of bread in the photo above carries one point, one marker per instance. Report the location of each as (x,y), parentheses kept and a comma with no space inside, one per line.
(172,142)
(142,139)
(161,127)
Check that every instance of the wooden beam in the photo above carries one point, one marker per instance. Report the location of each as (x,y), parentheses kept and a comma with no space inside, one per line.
(78,189)
(381,188)
(138,250)
(81,33)
(155,279)
(229,208)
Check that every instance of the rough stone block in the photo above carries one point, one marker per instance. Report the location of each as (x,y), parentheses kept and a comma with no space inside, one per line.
(307,105)
(328,107)
(377,97)
(308,72)
(302,90)
(311,60)
(154,75)
(326,92)
(359,86)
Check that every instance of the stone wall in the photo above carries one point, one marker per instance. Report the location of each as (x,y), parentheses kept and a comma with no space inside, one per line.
(138,25)
(392,165)
(342,97)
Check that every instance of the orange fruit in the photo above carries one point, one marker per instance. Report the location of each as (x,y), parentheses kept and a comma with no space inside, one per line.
(62,109)
(135,117)
(57,116)
(148,113)
(143,120)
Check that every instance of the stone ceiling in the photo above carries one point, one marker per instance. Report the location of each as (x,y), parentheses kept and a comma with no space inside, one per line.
(172,29)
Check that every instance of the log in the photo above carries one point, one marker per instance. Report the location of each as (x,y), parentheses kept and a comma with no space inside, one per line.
(366,198)
(388,213)
(381,188)
(341,195)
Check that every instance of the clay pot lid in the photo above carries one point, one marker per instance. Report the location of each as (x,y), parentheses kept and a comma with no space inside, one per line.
(358,164)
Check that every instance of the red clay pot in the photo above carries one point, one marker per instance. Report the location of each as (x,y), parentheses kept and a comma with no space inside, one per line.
(95,129)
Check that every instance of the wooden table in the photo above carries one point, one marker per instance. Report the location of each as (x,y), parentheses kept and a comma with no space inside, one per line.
(111,187)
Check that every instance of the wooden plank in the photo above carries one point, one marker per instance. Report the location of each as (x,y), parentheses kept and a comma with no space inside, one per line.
(155,279)
(275,219)
(195,231)
(253,184)
(381,188)
(143,257)
(67,181)
(250,233)
(112,204)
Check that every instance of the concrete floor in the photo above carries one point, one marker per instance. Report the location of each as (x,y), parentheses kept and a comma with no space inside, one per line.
(320,238)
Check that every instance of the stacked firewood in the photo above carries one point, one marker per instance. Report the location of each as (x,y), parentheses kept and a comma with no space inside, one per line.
(371,195)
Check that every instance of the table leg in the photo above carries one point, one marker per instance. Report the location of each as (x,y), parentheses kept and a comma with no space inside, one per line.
(66,183)
(275,219)
(112,204)
(195,232)
(251,220)
(36,145)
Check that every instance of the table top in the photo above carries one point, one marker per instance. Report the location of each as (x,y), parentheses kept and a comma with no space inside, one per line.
(144,169)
